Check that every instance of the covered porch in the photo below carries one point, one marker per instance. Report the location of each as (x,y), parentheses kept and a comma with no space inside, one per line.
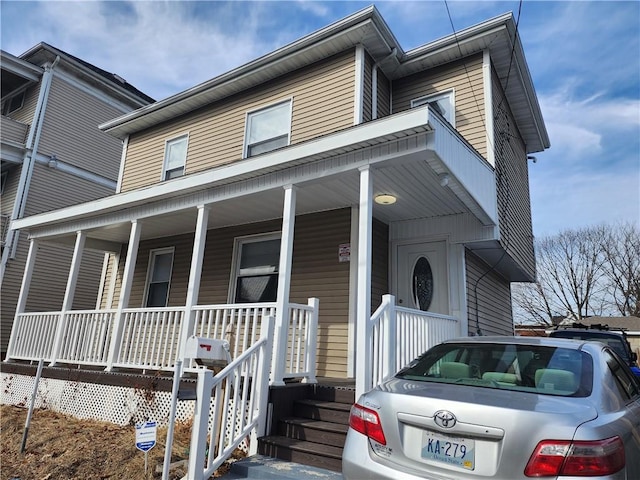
(415,156)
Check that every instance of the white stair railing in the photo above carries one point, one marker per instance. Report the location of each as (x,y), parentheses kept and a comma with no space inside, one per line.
(240,393)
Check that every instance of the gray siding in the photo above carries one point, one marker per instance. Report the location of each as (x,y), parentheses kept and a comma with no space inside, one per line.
(384,95)
(379,263)
(322,93)
(488,299)
(71,130)
(367,96)
(51,189)
(512,177)
(26,113)
(465,77)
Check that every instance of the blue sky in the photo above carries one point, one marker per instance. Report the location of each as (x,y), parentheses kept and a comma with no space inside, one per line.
(584,58)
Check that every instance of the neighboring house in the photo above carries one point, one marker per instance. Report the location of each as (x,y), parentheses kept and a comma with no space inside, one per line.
(339,168)
(54,155)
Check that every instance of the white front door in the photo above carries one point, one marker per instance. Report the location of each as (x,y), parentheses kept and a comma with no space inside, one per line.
(421,280)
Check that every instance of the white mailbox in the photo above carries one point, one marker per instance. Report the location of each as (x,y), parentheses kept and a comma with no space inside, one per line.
(209,352)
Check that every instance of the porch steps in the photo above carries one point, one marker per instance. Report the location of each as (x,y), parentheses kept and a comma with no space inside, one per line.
(314,429)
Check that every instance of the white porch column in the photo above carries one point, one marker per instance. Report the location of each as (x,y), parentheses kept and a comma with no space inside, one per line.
(193,289)
(284,286)
(363,304)
(24,291)
(125,289)
(67,302)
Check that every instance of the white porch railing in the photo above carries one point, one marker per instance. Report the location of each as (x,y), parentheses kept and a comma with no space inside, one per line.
(399,335)
(150,338)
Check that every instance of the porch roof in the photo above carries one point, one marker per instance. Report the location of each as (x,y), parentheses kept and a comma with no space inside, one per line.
(409,153)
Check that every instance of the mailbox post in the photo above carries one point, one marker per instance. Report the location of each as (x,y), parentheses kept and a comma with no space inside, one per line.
(212,355)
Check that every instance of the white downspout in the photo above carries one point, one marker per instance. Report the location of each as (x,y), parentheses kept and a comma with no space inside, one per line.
(28,162)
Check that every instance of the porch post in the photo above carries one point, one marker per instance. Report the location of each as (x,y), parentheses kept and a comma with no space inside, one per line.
(284,286)
(67,303)
(125,289)
(193,289)
(363,304)
(24,292)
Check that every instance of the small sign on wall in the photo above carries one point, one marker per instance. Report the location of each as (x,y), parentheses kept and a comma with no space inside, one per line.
(344,252)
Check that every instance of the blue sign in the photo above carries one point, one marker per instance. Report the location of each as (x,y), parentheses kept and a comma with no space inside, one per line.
(146,436)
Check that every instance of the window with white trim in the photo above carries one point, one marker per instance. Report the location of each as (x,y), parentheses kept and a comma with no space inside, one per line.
(175,157)
(443,103)
(267,129)
(257,261)
(159,277)
(13,103)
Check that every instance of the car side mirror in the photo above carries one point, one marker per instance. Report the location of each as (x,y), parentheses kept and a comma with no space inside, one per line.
(634,356)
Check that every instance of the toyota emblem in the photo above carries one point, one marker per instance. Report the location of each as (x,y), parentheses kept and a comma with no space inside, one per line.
(445,419)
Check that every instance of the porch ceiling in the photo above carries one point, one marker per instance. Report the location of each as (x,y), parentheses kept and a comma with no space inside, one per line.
(409,178)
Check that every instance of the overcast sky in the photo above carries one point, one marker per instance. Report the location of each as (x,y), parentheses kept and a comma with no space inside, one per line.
(584,58)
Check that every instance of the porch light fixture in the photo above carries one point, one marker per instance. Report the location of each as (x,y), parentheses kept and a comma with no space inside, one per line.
(385,199)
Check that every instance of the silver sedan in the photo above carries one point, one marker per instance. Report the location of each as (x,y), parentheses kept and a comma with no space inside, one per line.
(500,407)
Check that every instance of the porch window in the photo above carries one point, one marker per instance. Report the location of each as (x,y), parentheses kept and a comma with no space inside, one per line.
(257,261)
(268,129)
(12,104)
(443,103)
(175,156)
(159,277)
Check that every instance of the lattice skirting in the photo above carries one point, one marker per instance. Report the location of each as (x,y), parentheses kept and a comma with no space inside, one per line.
(118,405)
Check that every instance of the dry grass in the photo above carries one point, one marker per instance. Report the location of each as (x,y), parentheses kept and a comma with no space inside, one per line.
(63,447)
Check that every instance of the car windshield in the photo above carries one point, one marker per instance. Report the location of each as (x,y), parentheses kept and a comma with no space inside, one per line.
(525,368)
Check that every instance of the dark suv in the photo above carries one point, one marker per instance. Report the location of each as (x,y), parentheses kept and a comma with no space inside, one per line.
(616,339)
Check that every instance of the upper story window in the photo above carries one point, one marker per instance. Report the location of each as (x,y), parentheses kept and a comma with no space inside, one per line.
(443,103)
(267,129)
(3,180)
(256,269)
(175,157)
(12,104)
(159,277)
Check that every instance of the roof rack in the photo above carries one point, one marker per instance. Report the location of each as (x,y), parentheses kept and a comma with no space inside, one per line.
(594,326)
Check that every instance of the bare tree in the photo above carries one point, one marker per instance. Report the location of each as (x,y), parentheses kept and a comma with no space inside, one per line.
(621,251)
(570,282)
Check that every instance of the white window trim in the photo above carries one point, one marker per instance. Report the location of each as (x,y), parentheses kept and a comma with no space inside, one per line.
(166,151)
(150,264)
(447,94)
(235,259)
(247,119)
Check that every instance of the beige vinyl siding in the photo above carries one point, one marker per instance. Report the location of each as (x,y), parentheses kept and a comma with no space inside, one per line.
(489,298)
(11,282)
(13,131)
(26,113)
(512,177)
(8,197)
(384,95)
(367,95)
(71,130)
(379,263)
(316,272)
(322,93)
(51,189)
(465,77)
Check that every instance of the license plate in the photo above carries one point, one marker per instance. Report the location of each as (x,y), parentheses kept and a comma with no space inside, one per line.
(448,449)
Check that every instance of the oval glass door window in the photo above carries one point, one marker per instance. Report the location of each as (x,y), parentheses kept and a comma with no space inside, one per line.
(422,284)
